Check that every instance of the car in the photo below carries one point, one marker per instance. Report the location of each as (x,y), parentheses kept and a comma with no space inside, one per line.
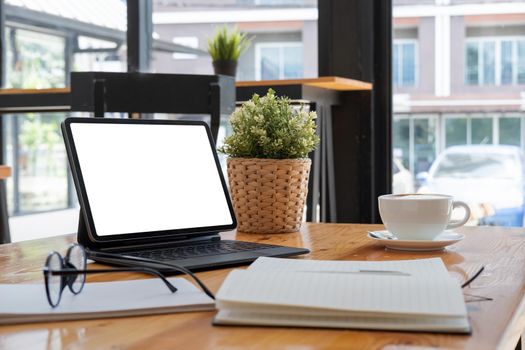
(490,178)
(403,181)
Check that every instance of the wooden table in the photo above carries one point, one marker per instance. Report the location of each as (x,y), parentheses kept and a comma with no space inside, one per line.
(496,324)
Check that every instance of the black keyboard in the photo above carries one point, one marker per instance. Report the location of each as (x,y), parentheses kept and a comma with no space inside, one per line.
(191,251)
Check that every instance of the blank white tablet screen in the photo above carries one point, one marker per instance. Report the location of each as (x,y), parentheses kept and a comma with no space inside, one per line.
(147,177)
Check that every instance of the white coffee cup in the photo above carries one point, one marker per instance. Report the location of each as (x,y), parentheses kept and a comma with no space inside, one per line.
(419,216)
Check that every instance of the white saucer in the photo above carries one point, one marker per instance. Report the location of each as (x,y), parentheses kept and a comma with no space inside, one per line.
(438,243)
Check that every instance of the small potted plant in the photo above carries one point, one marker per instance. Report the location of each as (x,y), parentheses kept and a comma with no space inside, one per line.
(225,48)
(268,164)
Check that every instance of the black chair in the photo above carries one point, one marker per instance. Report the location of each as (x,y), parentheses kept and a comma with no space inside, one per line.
(100,92)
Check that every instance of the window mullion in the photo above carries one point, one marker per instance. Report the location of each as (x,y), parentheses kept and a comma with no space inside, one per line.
(411,148)
(514,61)
(495,129)
(497,62)
(469,129)
(281,62)
(481,61)
(400,59)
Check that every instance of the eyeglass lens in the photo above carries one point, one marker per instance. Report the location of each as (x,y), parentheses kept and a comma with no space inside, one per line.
(76,256)
(54,282)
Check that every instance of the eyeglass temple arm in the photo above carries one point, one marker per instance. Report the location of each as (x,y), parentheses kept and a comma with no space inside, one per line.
(471,279)
(147,270)
(92,254)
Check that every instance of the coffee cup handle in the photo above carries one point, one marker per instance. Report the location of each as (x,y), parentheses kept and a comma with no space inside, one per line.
(458,223)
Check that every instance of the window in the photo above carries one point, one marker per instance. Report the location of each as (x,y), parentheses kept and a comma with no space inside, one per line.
(36,151)
(401,137)
(495,61)
(464,65)
(455,131)
(481,133)
(469,129)
(42,55)
(404,63)
(277,28)
(190,41)
(483,129)
(415,141)
(510,130)
(34,60)
(279,60)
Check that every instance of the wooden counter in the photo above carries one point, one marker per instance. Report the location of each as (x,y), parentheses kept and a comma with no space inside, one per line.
(5,172)
(328,83)
(496,324)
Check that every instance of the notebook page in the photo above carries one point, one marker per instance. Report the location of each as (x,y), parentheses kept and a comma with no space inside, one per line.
(365,293)
(432,267)
(102,297)
(441,324)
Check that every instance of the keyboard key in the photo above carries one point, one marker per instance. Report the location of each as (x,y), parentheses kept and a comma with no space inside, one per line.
(185,252)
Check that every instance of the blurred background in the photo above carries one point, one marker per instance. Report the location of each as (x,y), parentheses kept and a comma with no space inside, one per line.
(458,89)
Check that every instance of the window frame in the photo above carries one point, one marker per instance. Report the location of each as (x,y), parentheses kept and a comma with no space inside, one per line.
(416,62)
(514,39)
(412,117)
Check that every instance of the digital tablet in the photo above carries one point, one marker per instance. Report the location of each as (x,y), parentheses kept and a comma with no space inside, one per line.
(148,180)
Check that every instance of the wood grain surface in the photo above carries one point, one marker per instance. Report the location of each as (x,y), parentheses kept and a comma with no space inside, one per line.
(496,324)
(329,83)
(35,91)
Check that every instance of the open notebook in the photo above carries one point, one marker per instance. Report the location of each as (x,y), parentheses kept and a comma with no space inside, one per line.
(412,295)
(23,303)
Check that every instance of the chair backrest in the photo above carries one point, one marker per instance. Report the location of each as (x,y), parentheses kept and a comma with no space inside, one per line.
(100,92)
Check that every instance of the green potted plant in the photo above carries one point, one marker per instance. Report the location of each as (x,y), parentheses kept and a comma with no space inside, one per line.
(268,164)
(225,48)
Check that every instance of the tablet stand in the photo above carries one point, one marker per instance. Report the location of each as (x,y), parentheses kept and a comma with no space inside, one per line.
(82,232)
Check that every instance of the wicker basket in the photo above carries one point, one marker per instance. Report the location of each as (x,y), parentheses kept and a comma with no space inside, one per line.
(268,194)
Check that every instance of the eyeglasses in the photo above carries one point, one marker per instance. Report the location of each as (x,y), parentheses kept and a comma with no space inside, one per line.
(71,271)
(468,282)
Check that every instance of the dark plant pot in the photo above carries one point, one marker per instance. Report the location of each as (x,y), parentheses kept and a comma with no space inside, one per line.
(225,67)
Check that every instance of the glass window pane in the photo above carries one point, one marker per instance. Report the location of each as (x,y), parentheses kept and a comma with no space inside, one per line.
(424,144)
(455,131)
(401,137)
(409,65)
(506,62)
(270,68)
(521,62)
(41,163)
(396,68)
(472,66)
(258,25)
(293,62)
(481,129)
(489,62)
(34,60)
(509,131)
